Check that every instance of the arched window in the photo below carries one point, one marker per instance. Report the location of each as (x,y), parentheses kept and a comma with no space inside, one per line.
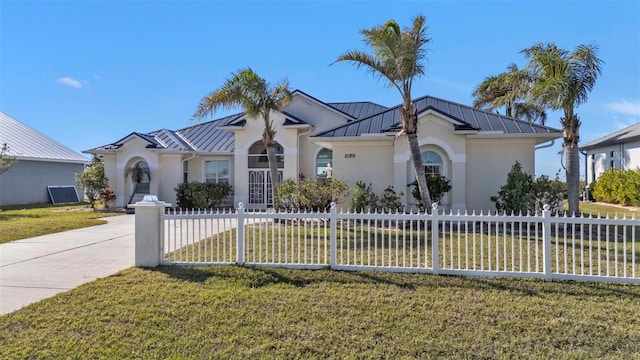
(258,156)
(325,157)
(432,163)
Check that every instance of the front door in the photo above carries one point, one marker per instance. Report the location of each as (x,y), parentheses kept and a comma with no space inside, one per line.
(260,189)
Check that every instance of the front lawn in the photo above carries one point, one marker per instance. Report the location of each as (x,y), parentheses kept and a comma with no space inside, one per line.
(29,221)
(234,312)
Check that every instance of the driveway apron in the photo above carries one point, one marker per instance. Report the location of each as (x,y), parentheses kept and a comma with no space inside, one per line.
(40,267)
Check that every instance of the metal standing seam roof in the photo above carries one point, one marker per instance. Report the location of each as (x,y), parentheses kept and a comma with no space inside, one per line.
(628,134)
(360,109)
(468,117)
(27,143)
(205,137)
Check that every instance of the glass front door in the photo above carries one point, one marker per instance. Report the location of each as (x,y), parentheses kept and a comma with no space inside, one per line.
(260,189)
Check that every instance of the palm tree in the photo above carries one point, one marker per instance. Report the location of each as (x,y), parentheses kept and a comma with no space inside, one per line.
(137,174)
(510,90)
(563,82)
(398,56)
(256,97)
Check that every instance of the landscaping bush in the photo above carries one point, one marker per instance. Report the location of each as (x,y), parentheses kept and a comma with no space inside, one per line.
(438,185)
(390,200)
(616,186)
(547,191)
(310,195)
(93,180)
(364,199)
(197,195)
(522,193)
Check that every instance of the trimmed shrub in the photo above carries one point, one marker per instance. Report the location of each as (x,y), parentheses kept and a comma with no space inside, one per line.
(616,186)
(438,186)
(364,199)
(522,193)
(197,195)
(309,195)
(547,191)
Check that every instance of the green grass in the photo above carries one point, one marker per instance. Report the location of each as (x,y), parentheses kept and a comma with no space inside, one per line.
(35,220)
(602,209)
(234,312)
(512,252)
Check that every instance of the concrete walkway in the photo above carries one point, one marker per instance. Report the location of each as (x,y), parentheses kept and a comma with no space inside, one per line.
(37,268)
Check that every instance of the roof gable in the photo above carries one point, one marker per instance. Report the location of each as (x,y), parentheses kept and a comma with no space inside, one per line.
(27,143)
(628,134)
(462,116)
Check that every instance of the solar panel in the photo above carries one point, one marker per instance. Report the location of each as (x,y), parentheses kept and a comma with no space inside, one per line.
(63,194)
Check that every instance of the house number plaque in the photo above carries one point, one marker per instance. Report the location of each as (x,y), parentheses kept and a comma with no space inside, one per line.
(349,156)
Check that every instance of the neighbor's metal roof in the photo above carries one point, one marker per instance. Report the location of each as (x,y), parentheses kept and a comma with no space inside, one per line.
(628,134)
(29,144)
(468,118)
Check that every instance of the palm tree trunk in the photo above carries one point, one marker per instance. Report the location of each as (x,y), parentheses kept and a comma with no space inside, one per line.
(135,190)
(416,159)
(571,135)
(273,169)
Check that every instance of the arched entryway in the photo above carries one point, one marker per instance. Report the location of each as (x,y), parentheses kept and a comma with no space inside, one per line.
(259,176)
(137,179)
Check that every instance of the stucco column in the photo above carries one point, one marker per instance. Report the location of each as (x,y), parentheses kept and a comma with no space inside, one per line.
(400,180)
(240,177)
(458,185)
(148,231)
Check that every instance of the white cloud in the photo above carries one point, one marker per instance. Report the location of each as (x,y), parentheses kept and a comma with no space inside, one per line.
(69,82)
(97,77)
(626,107)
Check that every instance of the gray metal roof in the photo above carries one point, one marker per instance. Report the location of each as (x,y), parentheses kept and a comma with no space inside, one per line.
(360,109)
(628,134)
(467,118)
(27,143)
(205,138)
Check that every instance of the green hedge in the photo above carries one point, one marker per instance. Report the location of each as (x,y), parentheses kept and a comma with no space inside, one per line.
(616,186)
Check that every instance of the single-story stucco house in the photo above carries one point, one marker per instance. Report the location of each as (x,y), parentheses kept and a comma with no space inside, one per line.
(41,162)
(473,148)
(618,150)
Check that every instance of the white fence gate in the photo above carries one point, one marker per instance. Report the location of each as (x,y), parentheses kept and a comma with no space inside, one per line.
(538,246)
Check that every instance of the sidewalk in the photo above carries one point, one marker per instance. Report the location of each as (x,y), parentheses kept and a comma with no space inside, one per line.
(37,268)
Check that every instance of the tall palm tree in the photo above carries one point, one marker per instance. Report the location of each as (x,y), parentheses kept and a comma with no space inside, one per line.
(256,97)
(510,90)
(564,80)
(398,57)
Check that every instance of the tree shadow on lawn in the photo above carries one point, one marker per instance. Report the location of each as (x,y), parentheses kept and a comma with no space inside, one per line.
(255,277)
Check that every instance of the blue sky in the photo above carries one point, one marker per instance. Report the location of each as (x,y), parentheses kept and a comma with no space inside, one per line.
(87,73)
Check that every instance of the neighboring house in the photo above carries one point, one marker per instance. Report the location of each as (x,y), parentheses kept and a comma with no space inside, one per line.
(619,150)
(42,162)
(475,149)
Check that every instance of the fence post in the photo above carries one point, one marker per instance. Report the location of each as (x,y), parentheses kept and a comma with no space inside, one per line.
(148,231)
(333,236)
(435,241)
(240,234)
(546,237)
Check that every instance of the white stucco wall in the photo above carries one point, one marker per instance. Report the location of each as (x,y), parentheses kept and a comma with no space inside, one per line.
(370,162)
(620,156)
(488,163)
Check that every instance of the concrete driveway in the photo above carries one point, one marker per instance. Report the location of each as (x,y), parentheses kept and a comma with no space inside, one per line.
(37,268)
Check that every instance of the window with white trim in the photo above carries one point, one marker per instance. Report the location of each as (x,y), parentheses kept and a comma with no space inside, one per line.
(217,171)
(325,157)
(432,163)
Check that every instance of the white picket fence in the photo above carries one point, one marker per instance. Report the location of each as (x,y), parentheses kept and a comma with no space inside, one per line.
(537,246)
